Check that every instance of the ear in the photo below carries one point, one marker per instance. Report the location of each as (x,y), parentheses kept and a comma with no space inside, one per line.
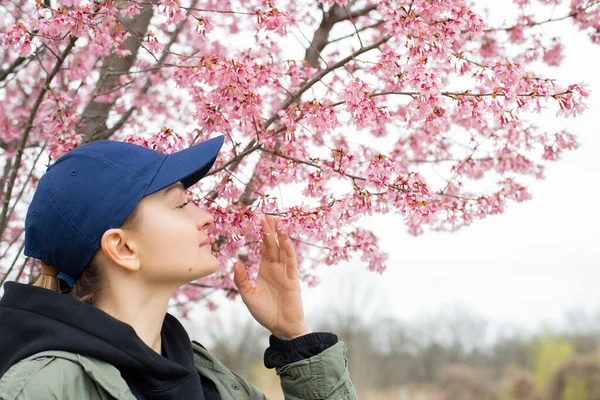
(117,247)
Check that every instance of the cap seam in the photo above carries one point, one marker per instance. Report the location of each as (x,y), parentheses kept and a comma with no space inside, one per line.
(111,163)
(155,173)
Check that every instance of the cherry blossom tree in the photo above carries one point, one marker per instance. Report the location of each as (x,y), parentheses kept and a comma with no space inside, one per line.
(350,102)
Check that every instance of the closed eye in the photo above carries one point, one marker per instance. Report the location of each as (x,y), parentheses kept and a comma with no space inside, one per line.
(184,204)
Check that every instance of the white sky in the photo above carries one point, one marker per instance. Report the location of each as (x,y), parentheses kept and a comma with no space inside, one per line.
(526,267)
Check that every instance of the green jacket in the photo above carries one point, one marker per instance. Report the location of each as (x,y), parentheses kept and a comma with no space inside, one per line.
(69,376)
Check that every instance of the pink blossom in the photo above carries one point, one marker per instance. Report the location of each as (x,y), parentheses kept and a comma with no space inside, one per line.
(554,56)
(362,106)
(320,117)
(153,44)
(131,11)
(274,20)
(173,11)
(448,90)
(18,39)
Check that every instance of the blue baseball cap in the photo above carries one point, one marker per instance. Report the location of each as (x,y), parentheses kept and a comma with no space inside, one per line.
(95,187)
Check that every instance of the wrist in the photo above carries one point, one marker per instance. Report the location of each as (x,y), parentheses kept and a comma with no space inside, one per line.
(290,334)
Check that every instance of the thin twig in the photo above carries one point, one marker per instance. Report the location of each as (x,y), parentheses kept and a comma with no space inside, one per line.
(28,127)
(312,46)
(242,155)
(148,82)
(12,243)
(530,24)
(322,74)
(29,175)
(208,10)
(468,94)
(466,160)
(13,265)
(22,268)
(354,25)
(344,174)
(243,183)
(375,25)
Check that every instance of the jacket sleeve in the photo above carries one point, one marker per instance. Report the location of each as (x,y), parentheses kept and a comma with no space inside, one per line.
(282,352)
(60,379)
(324,376)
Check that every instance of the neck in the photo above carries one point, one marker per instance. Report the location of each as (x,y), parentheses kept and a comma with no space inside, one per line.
(141,307)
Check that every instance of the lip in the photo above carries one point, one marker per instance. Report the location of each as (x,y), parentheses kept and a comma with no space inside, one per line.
(205,242)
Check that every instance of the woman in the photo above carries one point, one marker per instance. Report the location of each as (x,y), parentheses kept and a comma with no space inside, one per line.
(116,237)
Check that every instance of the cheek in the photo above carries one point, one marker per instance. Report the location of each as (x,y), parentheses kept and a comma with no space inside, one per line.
(166,236)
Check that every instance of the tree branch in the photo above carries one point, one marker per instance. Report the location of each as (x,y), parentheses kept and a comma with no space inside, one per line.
(364,28)
(6,174)
(11,68)
(13,265)
(28,127)
(252,145)
(468,94)
(339,171)
(108,133)
(321,75)
(354,25)
(15,239)
(29,175)
(335,14)
(530,24)
(95,115)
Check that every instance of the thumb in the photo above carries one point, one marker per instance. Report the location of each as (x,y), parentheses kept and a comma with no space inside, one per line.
(240,278)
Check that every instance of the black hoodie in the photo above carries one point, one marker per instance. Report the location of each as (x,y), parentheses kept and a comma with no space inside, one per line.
(34,319)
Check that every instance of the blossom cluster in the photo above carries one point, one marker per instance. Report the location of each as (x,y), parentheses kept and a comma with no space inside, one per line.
(381,92)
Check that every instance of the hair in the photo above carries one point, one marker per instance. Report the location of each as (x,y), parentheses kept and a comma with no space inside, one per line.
(87,288)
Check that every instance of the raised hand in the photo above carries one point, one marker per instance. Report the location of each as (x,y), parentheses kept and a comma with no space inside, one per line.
(275,301)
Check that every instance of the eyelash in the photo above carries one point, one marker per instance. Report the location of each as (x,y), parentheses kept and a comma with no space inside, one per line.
(184,204)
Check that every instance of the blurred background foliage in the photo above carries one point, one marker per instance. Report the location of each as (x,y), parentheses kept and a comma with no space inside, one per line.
(444,356)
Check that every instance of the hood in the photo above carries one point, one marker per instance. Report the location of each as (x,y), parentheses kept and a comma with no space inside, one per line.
(34,319)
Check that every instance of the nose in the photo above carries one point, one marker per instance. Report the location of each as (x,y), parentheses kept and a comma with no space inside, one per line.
(205,219)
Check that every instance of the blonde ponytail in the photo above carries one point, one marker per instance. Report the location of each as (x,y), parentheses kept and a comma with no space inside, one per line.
(48,278)
(87,288)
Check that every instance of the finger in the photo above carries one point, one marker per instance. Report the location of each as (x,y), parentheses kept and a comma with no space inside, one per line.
(291,263)
(282,255)
(240,278)
(281,238)
(269,248)
(285,243)
(287,254)
(271,221)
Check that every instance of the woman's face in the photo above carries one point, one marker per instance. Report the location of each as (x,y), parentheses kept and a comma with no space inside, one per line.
(169,238)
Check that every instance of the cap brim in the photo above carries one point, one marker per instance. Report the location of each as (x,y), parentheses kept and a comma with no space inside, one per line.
(188,165)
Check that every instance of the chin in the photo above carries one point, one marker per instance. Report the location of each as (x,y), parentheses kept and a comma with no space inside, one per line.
(212,270)
(205,270)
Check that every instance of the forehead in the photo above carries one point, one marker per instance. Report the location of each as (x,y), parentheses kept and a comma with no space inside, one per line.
(176,187)
(164,196)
